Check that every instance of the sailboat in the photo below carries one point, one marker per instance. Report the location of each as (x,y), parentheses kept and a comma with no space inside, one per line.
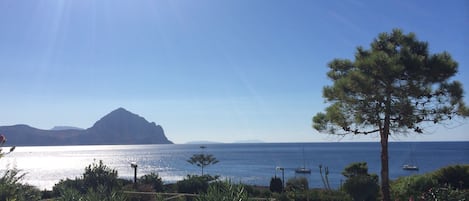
(303,170)
(411,165)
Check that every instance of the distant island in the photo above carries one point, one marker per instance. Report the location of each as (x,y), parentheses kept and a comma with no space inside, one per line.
(235,142)
(118,127)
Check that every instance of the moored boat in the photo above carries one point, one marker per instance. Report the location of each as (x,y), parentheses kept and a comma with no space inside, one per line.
(303,170)
(410,167)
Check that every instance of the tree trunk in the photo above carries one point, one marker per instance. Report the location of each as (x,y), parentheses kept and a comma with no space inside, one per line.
(385,164)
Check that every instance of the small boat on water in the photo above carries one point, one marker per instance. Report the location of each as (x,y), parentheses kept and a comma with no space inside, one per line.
(303,170)
(410,167)
(411,164)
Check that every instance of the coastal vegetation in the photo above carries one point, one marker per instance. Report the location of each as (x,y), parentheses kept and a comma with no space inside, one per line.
(276,185)
(11,187)
(100,182)
(359,183)
(395,87)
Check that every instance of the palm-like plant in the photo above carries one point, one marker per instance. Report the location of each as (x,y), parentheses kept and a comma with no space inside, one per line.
(3,139)
(203,160)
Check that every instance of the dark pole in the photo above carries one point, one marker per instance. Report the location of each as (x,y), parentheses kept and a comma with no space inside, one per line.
(134,165)
(283,175)
(135,174)
(283,178)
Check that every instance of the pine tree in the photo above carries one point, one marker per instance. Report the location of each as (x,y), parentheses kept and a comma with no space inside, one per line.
(395,87)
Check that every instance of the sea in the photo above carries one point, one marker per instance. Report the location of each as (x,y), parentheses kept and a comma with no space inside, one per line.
(251,163)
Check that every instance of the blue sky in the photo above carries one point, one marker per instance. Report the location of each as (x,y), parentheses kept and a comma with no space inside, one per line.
(207,69)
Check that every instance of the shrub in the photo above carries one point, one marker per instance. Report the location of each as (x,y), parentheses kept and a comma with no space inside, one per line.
(224,191)
(152,179)
(99,182)
(445,192)
(296,189)
(297,184)
(324,195)
(63,185)
(359,184)
(100,194)
(139,188)
(412,186)
(456,176)
(449,182)
(12,189)
(314,195)
(195,184)
(328,195)
(98,174)
(276,185)
(257,191)
(362,187)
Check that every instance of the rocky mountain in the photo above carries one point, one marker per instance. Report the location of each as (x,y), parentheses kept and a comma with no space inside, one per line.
(118,127)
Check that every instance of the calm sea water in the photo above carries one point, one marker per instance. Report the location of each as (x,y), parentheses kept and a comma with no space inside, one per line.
(246,163)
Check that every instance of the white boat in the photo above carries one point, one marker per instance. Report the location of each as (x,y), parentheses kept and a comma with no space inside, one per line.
(412,163)
(303,170)
(410,167)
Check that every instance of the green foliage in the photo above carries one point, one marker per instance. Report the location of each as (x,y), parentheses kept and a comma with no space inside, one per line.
(139,188)
(12,189)
(276,185)
(356,169)
(412,186)
(314,195)
(203,160)
(152,179)
(297,189)
(99,182)
(359,184)
(99,175)
(224,191)
(362,187)
(147,183)
(3,140)
(47,194)
(195,184)
(282,197)
(62,186)
(70,194)
(297,184)
(456,176)
(257,191)
(396,78)
(100,194)
(446,193)
(10,186)
(393,87)
(328,195)
(448,183)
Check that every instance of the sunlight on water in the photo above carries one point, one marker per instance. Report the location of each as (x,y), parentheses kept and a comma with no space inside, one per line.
(46,165)
(246,163)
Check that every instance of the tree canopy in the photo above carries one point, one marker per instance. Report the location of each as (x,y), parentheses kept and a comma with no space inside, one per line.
(359,184)
(203,160)
(394,87)
(397,79)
